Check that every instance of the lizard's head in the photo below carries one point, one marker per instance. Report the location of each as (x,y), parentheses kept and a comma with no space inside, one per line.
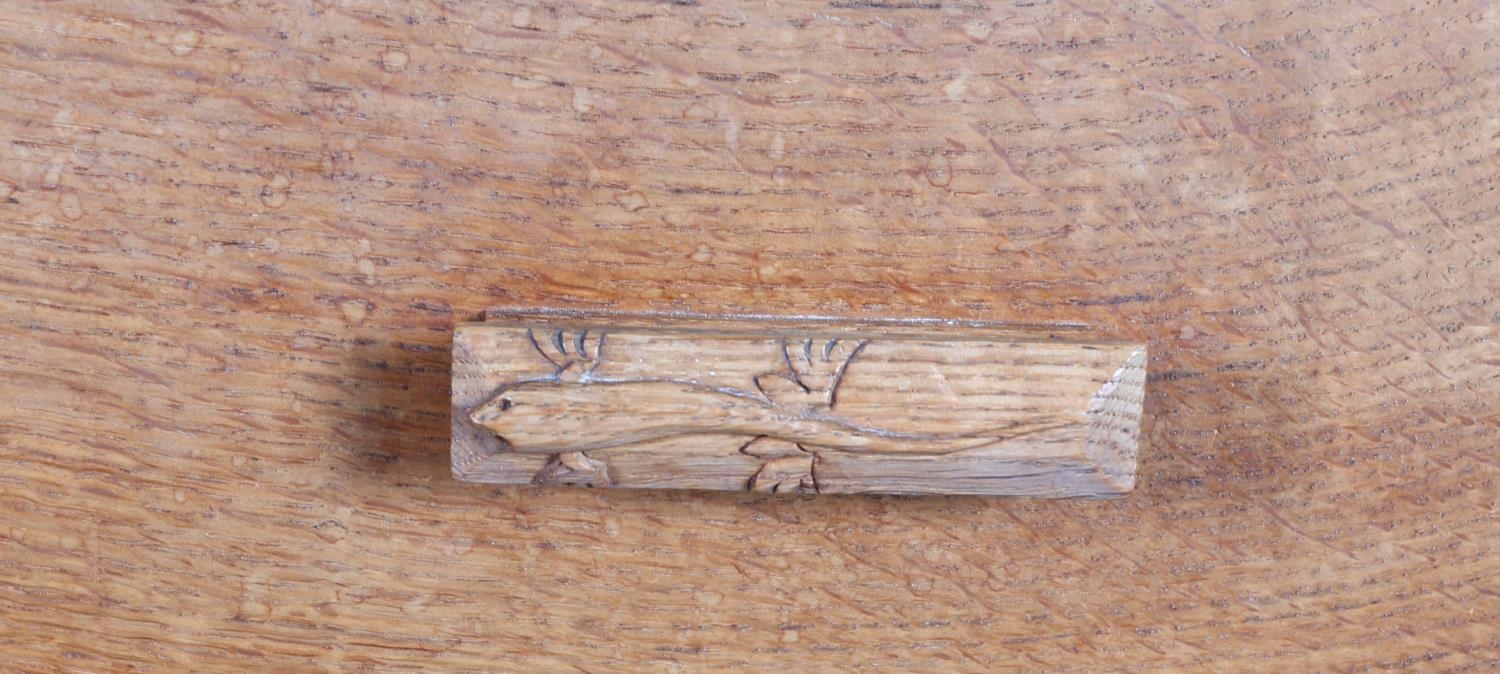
(553,416)
(515,405)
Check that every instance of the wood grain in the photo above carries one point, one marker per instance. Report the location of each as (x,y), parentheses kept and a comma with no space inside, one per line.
(803,405)
(237,238)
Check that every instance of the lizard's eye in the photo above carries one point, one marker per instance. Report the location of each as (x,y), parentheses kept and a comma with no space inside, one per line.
(505,404)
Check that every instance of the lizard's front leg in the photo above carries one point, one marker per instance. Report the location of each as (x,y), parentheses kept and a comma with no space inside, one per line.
(575,353)
(787,467)
(575,468)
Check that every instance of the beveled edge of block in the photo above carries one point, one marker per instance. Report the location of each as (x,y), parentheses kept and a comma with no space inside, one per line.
(775,325)
(1114,430)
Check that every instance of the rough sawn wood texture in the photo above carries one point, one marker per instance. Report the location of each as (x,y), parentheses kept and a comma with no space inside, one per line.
(237,237)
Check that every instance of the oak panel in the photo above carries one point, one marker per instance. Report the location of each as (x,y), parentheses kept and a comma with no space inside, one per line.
(236,238)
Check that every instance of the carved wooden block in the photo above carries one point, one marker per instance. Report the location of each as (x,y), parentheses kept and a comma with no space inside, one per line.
(794,405)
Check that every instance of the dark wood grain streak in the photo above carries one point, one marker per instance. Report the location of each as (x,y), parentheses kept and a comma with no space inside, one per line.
(237,237)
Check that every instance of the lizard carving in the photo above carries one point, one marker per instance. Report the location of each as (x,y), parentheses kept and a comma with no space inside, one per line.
(790,414)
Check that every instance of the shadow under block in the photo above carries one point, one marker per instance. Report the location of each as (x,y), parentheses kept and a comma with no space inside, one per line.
(794,405)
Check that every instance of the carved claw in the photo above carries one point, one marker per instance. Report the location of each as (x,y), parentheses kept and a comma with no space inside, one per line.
(786,475)
(575,468)
(817,365)
(572,352)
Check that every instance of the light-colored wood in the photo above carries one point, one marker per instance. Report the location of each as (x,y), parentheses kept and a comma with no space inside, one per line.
(825,406)
(235,239)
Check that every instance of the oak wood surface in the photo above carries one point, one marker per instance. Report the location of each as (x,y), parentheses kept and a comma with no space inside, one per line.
(236,237)
(794,406)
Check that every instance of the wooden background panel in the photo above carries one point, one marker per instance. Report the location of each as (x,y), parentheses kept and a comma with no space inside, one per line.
(237,236)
